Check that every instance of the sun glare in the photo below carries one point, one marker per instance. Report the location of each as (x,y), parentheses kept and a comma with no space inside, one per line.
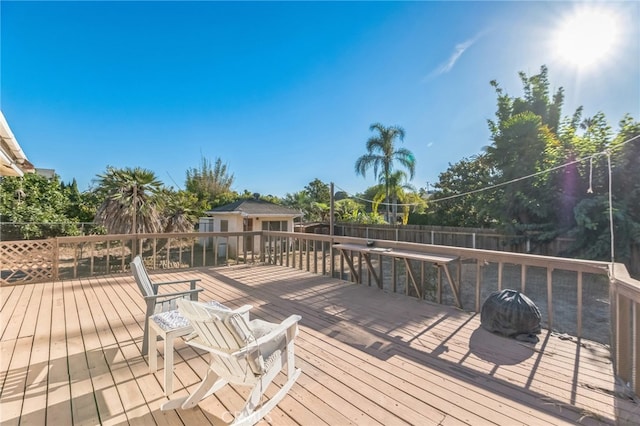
(587,37)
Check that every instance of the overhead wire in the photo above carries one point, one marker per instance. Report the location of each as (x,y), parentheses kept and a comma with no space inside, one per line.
(498,185)
(606,152)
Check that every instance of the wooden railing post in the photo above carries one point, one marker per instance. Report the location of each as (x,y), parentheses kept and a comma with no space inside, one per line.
(55,264)
(636,347)
(550,297)
(624,353)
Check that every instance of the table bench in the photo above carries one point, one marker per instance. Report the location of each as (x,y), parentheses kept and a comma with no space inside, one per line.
(440,260)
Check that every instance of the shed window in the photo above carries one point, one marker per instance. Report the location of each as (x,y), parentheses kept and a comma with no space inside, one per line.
(224,226)
(274,225)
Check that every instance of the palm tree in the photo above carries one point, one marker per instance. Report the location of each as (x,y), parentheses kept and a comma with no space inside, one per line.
(395,186)
(181,210)
(129,205)
(382,153)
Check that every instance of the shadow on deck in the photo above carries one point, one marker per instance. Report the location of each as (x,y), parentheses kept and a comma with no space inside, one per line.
(71,355)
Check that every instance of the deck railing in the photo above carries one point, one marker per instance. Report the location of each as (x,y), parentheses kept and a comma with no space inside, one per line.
(587,299)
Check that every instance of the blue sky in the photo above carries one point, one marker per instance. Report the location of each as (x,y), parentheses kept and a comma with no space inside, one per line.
(285,92)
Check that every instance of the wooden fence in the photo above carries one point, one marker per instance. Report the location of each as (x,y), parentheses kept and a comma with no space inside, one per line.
(477,238)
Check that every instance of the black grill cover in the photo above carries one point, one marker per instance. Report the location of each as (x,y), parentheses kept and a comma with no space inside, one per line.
(510,313)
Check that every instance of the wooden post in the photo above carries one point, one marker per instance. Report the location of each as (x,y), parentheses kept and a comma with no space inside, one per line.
(91,262)
(478,275)
(550,297)
(439,286)
(331,210)
(422,279)
(635,380)
(579,305)
(122,254)
(380,273)
(623,336)
(108,257)
(394,282)
(56,260)
(134,225)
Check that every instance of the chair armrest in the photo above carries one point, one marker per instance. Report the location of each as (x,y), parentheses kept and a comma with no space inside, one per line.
(192,283)
(244,311)
(176,294)
(290,322)
(282,328)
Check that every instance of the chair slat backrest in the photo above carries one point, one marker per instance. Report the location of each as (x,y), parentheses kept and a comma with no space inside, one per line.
(227,332)
(141,276)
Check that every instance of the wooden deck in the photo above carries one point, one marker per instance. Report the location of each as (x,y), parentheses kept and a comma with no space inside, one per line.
(70,355)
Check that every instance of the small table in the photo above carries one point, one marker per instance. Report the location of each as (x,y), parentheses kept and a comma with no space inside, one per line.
(169,325)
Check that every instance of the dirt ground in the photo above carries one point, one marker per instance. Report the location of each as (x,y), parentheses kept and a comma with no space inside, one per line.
(595,293)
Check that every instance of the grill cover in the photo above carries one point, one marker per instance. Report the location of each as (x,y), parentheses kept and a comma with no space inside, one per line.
(512,314)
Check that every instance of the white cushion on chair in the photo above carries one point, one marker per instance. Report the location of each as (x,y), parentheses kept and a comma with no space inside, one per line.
(171,320)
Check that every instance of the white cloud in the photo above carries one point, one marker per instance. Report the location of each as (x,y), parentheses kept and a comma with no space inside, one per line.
(459,49)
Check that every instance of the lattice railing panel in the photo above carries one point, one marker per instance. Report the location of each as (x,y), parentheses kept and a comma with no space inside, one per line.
(26,261)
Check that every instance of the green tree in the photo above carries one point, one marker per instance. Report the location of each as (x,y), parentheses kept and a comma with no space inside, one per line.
(318,191)
(381,155)
(82,205)
(318,212)
(348,210)
(524,142)
(211,183)
(313,201)
(394,189)
(299,200)
(181,210)
(129,205)
(446,208)
(592,226)
(36,205)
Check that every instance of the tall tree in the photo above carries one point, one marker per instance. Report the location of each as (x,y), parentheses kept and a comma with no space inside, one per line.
(36,205)
(464,177)
(313,200)
(318,191)
(211,182)
(381,155)
(181,210)
(129,203)
(592,226)
(395,187)
(525,142)
(298,200)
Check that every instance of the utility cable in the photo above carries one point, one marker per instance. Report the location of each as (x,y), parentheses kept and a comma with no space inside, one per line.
(498,185)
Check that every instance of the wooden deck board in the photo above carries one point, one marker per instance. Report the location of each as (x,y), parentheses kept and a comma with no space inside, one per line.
(70,351)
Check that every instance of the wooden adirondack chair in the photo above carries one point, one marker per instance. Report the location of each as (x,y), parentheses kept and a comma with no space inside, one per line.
(158,302)
(243,352)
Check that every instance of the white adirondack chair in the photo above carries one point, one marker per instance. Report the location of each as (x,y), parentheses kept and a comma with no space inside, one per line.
(243,352)
(155,301)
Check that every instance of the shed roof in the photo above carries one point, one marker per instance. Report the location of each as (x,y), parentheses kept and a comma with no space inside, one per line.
(255,207)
